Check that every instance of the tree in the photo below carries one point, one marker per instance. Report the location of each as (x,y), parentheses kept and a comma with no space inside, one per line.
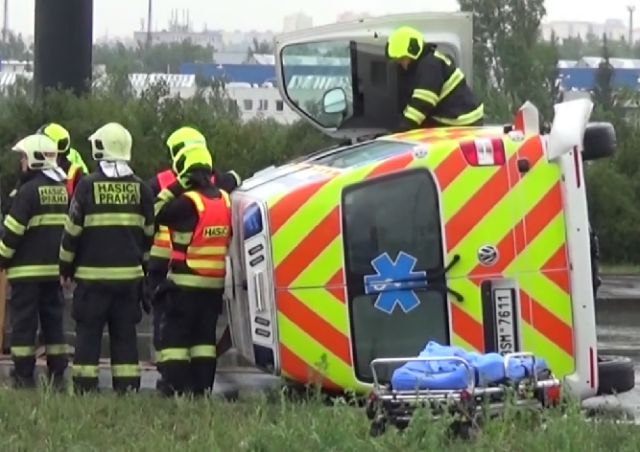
(158,58)
(259,48)
(603,95)
(509,57)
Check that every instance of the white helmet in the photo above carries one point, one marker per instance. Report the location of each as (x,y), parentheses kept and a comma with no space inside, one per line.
(112,142)
(40,151)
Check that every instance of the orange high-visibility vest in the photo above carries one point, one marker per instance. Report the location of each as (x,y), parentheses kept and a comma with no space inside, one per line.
(202,263)
(161,248)
(71,177)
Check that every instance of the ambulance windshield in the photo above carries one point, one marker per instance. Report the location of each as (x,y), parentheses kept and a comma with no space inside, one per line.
(393,240)
(362,154)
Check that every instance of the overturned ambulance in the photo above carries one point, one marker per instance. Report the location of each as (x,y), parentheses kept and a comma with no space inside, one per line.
(474,237)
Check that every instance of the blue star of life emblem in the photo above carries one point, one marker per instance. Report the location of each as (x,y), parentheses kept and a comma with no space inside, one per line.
(395,282)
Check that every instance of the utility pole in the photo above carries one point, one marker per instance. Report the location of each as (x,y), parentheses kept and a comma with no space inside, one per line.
(5,22)
(631,9)
(149,18)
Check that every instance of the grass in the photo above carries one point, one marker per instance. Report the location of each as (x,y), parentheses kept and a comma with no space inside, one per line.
(620,269)
(44,421)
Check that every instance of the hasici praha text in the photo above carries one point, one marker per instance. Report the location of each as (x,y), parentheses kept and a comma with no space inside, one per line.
(52,195)
(116,193)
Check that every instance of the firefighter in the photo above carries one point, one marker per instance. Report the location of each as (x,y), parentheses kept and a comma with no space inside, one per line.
(104,249)
(69,160)
(198,215)
(160,252)
(438,94)
(29,254)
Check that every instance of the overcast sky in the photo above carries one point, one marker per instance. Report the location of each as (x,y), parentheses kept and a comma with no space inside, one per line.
(122,17)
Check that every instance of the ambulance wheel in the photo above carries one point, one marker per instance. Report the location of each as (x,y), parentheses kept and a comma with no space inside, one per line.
(615,374)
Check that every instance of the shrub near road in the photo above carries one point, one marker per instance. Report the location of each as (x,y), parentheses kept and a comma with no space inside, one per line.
(46,422)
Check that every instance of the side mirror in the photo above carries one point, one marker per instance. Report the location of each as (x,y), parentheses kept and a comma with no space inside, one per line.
(599,141)
(334,101)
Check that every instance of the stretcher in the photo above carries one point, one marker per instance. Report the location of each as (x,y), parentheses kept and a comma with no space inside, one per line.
(467,407)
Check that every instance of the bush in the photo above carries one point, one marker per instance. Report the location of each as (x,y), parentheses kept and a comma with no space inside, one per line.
(47,422)
(243,146)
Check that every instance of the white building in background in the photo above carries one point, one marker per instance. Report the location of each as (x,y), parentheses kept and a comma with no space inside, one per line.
(613,28)
(349,16)
(296,21)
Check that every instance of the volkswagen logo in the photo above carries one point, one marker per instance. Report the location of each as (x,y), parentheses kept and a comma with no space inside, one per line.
(488,255)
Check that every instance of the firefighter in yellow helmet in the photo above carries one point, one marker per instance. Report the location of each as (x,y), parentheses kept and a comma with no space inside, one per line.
(69,160)
(198,214)
(104,249)
(160,252)
(29,255)
(438,94)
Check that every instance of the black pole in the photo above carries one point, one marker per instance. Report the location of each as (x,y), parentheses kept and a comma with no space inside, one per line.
(63,45)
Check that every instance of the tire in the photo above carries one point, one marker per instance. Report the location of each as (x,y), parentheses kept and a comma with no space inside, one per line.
(616,375)
(599,141)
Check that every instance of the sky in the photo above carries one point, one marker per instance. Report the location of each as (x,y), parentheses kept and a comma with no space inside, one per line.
(119,18)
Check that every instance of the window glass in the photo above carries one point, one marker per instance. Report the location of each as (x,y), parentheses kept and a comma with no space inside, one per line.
(393,215)
(363,154)
(311,69)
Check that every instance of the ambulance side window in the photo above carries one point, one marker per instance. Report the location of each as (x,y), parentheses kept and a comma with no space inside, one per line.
(391,215)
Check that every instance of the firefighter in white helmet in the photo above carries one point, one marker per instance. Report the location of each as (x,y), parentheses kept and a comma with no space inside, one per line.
(29,255)
(104,249)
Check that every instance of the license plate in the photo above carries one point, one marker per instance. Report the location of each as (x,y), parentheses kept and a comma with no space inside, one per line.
(505,320)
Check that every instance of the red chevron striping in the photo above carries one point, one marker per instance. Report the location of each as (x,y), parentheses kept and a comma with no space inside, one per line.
(556,269)
(315,326)
(530,226)
(468,328)
(287,206)
(485,197)
(308,249)
(544,321)
(300,371)
(450,168)
(390,165)
(336,287)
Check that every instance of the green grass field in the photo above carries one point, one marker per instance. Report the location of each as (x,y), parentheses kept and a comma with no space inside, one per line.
(48,422)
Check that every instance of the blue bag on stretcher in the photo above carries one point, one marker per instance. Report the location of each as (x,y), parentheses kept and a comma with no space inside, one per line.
(446,374)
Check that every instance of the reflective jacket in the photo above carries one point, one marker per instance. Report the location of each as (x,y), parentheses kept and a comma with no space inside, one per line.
(109,230)
(33,227)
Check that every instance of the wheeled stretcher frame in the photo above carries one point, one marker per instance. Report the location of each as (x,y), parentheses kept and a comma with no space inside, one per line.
(467,407)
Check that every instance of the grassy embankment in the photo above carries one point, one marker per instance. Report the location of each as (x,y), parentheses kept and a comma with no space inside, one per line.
(47,422)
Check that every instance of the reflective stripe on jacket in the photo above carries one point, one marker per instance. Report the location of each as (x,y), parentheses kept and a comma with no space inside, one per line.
(198,261)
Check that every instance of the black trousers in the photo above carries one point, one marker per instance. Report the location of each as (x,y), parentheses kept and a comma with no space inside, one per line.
(154,279)
(118,307)
(31,302)
(188,340)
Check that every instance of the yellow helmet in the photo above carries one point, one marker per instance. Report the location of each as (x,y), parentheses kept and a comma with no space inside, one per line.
(111,142)
(191,157)
(183,137)
(58,134)
(405,42)
(40,151)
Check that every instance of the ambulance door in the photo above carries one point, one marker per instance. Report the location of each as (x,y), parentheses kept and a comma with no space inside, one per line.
(392,240)
(543,266)
(352,56)
(479,211)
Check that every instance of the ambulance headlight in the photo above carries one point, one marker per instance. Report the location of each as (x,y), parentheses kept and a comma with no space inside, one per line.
(252,221)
